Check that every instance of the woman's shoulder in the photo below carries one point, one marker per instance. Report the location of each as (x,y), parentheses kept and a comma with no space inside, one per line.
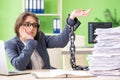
(12,40)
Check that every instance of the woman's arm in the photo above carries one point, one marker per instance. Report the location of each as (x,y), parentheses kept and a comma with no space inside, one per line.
(62,39)
(19,54)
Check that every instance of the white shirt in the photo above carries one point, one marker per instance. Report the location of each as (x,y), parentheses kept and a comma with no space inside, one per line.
(37,62)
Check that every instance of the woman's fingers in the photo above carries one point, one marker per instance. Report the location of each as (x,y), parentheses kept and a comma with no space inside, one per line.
(87,11)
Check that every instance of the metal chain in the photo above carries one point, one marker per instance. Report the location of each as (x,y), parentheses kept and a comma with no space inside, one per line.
(72,51)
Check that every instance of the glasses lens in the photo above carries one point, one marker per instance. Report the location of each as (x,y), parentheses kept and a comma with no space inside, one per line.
(27,24)
(35,25)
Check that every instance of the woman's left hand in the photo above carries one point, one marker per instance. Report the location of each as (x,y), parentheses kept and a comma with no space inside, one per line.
(79,12)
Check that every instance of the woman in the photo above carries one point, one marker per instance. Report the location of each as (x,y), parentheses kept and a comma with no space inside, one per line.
(28,49)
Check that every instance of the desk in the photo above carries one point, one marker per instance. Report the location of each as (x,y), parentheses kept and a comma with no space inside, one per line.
(31,77)
(80,56)
(80,50)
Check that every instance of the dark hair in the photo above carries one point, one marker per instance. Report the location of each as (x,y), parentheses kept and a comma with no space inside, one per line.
(20,20)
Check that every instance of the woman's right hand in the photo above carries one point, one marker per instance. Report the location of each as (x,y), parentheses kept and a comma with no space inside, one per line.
(24,36)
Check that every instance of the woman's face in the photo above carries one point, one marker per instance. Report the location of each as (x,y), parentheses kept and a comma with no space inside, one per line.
(30,25)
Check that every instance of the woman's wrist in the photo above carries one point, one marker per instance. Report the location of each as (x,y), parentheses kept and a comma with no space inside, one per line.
(70,21)
(72,17)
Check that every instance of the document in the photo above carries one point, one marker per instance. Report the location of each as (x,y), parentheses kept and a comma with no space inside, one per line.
(106,52)
(106,73)
(59,73)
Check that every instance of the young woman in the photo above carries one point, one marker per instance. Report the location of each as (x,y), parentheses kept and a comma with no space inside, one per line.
(28,49)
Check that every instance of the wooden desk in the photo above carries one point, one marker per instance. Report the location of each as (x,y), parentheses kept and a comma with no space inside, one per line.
(31,77)
(80,50)
(80,56)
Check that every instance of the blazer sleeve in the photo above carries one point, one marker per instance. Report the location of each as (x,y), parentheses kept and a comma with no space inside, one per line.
(20,55)
(62,39)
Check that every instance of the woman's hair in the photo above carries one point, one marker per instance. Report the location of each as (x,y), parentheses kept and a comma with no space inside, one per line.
(20,20)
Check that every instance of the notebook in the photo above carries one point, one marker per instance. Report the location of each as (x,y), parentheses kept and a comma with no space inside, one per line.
(3,63)
(60,73)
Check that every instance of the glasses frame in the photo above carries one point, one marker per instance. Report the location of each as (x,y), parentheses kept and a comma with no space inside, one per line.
(28,24)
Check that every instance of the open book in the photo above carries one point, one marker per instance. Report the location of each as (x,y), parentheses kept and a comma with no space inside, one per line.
(59,73)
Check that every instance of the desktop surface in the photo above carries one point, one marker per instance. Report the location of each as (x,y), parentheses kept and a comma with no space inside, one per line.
(79,50)
(31,77)
(86,47)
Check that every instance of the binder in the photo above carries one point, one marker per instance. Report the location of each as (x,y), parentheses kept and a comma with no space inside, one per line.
(27,6)
(30,2)
(42,6)
(38,6)
(56,25)
(34,6)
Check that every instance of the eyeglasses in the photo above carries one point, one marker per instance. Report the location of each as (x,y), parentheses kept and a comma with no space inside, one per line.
(28,24)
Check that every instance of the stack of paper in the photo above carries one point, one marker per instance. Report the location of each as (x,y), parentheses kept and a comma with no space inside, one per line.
(106,52)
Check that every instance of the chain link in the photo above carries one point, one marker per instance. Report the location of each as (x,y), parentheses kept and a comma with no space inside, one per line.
(72,51)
